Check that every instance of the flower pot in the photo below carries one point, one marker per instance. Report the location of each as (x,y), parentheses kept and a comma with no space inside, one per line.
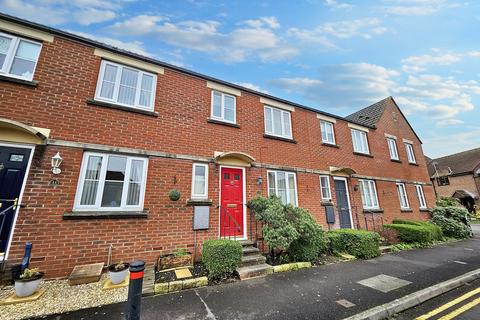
(117,277)
(171,261)
(27,287)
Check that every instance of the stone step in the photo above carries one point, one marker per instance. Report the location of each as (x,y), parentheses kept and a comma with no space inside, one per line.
(385,249)
(246,243)
(252,260)
(255,271)
(250,251)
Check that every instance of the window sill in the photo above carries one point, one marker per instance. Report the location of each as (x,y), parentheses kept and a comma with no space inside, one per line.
(326,203)
(120,107)
(333,145)
(406,210)
(395,160)
(373,210)
(368,155)
(413,164)
(228,124)
(425,210)
(268,136)
(30,83)
(80,215)
(199,202)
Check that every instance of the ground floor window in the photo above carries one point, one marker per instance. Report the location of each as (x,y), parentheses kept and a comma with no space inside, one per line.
(200,181)
(402,195)
(421,196)
(283,185)
(111,182)
(369,194)
(325,188)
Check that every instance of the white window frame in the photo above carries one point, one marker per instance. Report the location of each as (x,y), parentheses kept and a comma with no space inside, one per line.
(373,196)
(421,196)
(356,143)
(327,197)
(392,148)
(283,115)
(101,184)
(222,117)
(402,192)
(114,100)
(287,173)
(200,196)
(410,153)
(7,65)
(324,123)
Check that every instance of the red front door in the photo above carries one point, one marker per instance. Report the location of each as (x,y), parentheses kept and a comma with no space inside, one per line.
(231,210)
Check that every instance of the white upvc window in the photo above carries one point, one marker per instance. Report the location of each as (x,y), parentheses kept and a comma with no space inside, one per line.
(360,142)
(328,135)
(278,122)
(392,147)
(421,196)
(402,195)
(223,107)
(111,182)
(325,188)
(126,86)
(200,181)
(369,194)
(18,56)
(283,185)
(410,153)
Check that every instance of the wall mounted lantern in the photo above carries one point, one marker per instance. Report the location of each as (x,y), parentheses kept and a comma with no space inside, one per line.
(259,181)
(56,161)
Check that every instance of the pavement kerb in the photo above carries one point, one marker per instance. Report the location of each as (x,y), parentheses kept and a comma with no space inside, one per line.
(398,305)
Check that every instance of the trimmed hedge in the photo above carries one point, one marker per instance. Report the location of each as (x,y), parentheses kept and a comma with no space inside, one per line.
(359,243)
(435,231)
(221,256)
(410,233)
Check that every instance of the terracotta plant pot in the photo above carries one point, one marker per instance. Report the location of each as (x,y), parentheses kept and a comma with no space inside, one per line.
(168,261)
(117,276)
(27,287)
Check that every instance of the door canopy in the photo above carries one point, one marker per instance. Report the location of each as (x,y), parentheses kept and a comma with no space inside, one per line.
(342,171)
(234,158)
(14,131)
(462,194)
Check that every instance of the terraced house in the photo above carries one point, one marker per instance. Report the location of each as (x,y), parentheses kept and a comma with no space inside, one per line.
(93,140)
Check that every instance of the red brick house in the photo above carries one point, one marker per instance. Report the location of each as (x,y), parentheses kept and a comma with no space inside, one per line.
(130,129)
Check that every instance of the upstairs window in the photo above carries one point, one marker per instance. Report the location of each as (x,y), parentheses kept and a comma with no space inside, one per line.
(126,86)
(283,185)
(421,197)
(223,107)
(200,181)
(111,182)
(392,147)
(402,195)
(18,56)
(443,181)
(369,194)
(328,135)
(410,153)
(360,142)
(325,188)
(278,122)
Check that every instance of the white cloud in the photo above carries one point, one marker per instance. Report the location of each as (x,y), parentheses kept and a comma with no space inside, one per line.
(449,122)
(418,7)
(251,86)
(137,25)
(270,22)
(436,145)
(89,16)
(337,5)
(415,64)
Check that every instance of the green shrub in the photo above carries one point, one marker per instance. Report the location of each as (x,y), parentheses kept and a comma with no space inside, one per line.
(453,221)
(289,229)
(447,202)
(359,243)
(410,233)
(435,231)
(221,257)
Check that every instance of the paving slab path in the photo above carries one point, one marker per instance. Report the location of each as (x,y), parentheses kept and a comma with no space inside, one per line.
(326,292)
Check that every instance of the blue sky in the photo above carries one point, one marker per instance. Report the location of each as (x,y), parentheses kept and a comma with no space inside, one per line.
(336,56)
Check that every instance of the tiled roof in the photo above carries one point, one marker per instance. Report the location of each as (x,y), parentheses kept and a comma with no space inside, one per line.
(370,115)
(462,162)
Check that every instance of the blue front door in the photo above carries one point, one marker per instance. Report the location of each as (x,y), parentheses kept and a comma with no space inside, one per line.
(343,208)
(13,166)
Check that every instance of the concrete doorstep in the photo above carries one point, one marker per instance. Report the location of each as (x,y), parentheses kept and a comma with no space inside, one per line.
(388,309)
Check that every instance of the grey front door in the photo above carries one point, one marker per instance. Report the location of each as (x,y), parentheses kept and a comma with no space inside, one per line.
(342,204)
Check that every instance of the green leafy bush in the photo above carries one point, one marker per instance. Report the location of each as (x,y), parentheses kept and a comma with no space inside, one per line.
(435,231)
(221,257)
(289,229)
(410,233)
(453,221)
(359,243)
(447,202)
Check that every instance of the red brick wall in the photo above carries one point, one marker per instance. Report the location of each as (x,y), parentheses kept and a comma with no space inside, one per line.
(67,74)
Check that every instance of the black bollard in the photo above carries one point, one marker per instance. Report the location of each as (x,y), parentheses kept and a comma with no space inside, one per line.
(135,290)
